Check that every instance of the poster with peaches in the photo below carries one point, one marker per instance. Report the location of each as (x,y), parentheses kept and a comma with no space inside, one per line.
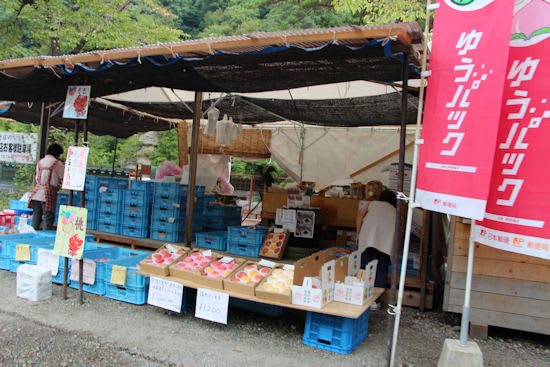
(71,231)
(76,102)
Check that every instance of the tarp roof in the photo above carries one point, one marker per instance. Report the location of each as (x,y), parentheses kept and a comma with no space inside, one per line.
(249,63)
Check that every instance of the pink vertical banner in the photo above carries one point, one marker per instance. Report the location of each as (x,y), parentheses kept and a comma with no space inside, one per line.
(518,210)
(468,65)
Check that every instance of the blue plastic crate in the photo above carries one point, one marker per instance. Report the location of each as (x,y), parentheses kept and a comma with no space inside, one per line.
(128,294)
(111,195)
(131,263)
(34,246)
(135,210)
(258,307)
(140,220)
(4,262)
(209,198)
(175,236)
(169,203)
(18,204)
(136,197)
(112,183)
(106,216)
(133,231)
(109,206)
(250,235)
(112,253)
(108,227)
(222,211)
(141,185)
(243,249)
(212,240)
(221,223)
(335,333)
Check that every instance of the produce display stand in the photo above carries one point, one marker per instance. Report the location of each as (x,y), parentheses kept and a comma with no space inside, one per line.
(127,240)
(333,308)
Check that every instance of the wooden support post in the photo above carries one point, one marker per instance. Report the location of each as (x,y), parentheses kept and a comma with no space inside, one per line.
(183,146)
(82,201)
(193,168)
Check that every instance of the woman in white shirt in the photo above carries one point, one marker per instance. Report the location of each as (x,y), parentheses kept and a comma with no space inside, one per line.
(376,234)
(49,175)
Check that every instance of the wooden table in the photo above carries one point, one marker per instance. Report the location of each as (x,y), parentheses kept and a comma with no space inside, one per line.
(333,308)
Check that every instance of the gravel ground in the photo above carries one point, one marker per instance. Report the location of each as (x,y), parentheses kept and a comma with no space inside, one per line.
(105,332)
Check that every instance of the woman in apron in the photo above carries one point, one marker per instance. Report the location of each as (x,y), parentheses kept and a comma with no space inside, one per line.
(49,174)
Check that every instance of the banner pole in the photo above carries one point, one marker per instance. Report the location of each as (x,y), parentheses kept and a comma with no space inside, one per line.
(397,309)
(465,322)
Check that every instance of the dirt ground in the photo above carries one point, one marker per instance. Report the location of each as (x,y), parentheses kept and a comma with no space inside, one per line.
(105,332)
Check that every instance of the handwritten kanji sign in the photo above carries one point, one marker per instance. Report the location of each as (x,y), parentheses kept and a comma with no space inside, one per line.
(461,119)
(71,232)
(76,102)
(517,218)
(75,168)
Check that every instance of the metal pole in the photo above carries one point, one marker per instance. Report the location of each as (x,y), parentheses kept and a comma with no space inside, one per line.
(250,193)
(398,223)
(193,168)
(82,201)
(412,191)
(302,150)
(465,322)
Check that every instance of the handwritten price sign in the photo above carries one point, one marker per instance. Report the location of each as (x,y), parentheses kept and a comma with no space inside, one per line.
(212,305)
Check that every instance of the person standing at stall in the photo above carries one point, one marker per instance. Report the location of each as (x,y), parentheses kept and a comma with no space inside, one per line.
(376,234)
(49,175)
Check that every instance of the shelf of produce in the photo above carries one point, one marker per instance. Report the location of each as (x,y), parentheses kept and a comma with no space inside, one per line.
(333,308)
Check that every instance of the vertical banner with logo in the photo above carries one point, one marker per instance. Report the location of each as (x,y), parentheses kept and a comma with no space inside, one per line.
(468,66)
(518,210)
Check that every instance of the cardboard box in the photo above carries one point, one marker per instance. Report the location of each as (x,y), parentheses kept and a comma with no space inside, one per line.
(273,242)
(244,288)
(190,275)
(315,276)
(357,290)
(196,276)
(284,297)
(163,270)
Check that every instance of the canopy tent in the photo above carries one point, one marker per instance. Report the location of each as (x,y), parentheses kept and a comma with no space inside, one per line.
(356,103)
(250,63)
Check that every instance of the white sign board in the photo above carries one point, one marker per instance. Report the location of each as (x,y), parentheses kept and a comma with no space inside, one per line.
(289,219)
(75,168)
(47,259)
(165,294)
(88,276)
(76,102)
(18,147)
(212,305)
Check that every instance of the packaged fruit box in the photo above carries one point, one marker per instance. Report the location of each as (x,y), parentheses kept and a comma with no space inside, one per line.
(159,261)
(277,286)
(275,243)
(246,278)
(205,267)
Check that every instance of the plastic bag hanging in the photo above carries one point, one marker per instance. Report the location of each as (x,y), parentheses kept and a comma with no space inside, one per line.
(213,115)
(233,130)
(221,130)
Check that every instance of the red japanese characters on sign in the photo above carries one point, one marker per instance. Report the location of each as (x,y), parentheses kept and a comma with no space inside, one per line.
(468,66)
(519,202)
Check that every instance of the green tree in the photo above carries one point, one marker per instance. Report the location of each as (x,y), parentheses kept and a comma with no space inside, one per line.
(166,148)
(384,11)
(54,27)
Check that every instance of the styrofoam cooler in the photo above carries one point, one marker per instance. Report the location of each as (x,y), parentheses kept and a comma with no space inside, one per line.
(34,283)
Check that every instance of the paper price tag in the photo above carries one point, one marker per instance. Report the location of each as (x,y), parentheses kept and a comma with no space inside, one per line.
(47,259)
(88,275)
(288,266)
(175,205)
(207,253)
(165,294)
(22,253)
(278,230)
(269,264)
(212,305)
(118,275)
(226,259)
(171,220)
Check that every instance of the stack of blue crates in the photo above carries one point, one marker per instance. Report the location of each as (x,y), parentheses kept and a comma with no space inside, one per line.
(168,219)
(110,210)
(245,241)
(136,210)
(218,218)
(90,200)
(136,287)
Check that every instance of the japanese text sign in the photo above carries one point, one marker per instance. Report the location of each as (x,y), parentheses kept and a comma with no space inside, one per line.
(76,102)
(468,65)
(212,305)
(75,168)
(71,232)
(518,210)
(165,294)
(18,147)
